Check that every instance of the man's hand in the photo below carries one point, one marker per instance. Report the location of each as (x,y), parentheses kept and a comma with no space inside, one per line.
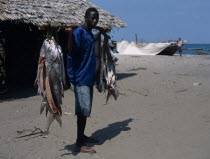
(103,30)
(107,29)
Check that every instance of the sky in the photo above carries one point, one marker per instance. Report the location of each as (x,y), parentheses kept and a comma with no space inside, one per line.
(160,20)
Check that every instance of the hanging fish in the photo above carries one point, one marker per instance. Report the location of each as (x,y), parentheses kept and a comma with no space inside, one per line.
(50,80)
(106,74)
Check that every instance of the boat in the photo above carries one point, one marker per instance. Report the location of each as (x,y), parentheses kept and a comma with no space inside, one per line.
(192,49)
(170,50)
(158,48)
(202,53)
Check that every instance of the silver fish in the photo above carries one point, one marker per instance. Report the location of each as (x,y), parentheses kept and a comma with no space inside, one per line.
(106,76)
(100,85)
(50,80)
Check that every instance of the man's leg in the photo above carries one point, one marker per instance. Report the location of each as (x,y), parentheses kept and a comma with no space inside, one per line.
(180,51)
(81,137)
(83,105)
(81,124)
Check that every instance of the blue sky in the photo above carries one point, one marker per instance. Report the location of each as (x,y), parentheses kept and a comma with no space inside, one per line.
(160,20)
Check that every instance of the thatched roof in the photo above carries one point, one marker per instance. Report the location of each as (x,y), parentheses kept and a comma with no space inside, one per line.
(53,12)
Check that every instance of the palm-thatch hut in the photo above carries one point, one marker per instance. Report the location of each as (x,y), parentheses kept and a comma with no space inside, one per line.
(24,24)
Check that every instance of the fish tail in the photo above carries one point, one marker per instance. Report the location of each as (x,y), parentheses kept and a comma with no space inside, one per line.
(47,109)
(58,119)
(43,105)
(108,96)
(50,119)
(115,94)
(60,110)
(112,91)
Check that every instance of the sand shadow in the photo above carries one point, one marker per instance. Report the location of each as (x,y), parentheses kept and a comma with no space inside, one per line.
(107,133)
(125,75)
(111,131)
(137,69)
(17,92)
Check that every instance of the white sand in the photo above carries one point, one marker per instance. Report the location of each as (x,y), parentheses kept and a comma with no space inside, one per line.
(163,112)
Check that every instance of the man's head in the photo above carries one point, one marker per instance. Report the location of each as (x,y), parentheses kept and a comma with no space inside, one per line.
(91,17)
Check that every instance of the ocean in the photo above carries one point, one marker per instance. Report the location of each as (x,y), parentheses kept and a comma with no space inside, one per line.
(197,49)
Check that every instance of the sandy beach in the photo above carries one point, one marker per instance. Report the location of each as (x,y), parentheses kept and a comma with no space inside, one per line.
(162,112)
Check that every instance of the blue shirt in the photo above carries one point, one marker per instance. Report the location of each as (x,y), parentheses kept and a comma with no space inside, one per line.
(81,66)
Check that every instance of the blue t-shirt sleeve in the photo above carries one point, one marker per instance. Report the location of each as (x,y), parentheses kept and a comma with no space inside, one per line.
(77,39)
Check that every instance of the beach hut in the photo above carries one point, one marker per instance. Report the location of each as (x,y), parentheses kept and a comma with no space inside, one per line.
(24,25)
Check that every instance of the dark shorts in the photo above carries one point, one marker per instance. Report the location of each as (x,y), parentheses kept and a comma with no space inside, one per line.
(179,49)
(83,99)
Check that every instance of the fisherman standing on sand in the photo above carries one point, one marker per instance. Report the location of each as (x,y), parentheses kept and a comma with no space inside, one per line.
(81,69)
(180,44)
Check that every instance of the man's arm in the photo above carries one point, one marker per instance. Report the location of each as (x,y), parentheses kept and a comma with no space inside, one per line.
(102,31)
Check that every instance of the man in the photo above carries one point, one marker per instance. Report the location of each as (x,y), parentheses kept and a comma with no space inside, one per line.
(81,69)
(180,43)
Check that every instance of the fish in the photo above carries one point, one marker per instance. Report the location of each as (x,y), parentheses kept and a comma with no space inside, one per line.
(106,74)
(51,80)
(99,66)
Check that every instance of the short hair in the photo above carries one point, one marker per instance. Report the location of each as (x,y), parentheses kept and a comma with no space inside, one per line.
(90,10)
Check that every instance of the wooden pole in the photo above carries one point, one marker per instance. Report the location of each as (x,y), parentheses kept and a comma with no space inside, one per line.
(136,38)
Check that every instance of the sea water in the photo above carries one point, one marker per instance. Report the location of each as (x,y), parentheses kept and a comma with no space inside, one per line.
(205,48)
